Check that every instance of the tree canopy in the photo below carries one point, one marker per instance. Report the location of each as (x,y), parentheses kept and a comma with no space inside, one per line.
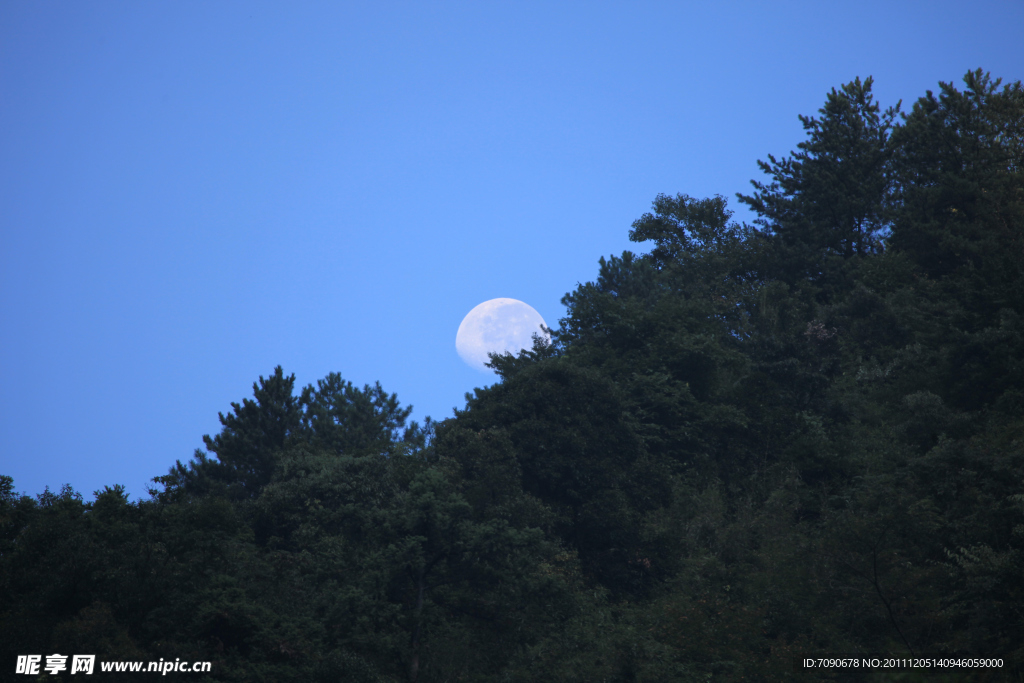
(746,444)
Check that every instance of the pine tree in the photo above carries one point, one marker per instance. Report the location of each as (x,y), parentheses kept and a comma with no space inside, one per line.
(829,201)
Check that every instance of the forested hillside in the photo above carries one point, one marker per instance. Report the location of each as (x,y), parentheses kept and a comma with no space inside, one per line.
(743,444)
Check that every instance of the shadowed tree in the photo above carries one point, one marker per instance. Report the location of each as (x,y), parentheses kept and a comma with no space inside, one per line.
(828,201)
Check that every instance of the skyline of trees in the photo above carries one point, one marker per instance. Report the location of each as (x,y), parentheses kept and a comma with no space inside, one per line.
(749,443)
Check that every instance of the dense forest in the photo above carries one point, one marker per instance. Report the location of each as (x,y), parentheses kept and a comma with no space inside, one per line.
(744,445)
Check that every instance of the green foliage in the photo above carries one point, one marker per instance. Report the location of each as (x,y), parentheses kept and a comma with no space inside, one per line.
(581,455)
(829,201)
(745,445)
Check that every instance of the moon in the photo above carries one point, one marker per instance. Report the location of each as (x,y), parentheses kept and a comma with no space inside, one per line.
(497,326)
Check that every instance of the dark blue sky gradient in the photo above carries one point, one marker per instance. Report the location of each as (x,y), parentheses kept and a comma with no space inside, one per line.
(193,193)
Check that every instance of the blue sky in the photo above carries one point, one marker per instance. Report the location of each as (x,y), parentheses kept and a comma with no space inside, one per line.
(193,193)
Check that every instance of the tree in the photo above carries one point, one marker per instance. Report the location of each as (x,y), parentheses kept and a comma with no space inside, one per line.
(345,419)
(743,445)
(829,201)
(334,416)
(580,454)
(960,169)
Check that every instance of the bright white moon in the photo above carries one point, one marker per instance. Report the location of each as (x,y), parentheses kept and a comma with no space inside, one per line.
(497,326)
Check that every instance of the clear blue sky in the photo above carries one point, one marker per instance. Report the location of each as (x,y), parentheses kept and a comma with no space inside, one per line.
(193,193)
